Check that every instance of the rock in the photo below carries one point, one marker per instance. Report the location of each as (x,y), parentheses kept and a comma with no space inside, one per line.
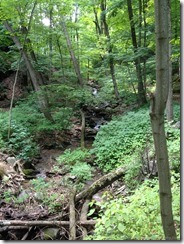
(50,233)
(24,195)
(39,196)
(11,160)
(177,125)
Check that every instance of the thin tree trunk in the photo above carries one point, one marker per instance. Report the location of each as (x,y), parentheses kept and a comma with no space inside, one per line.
(61,58)
(144,42)
(28,49)
(141,91)
(72,54)
(82,129)
(169,106)
(158,104)
(50,39)
(97,25)
(109,48)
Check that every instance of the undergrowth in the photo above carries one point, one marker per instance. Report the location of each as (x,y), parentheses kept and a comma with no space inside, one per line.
(136,217)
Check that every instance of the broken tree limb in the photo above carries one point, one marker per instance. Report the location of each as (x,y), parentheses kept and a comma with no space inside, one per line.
(43,223)
(100,184)
(83,216)
(72,235)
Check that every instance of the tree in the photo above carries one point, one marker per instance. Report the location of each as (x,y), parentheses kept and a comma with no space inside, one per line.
(141,91)
(105,27)
(72,54)
(102,28)
(158,105)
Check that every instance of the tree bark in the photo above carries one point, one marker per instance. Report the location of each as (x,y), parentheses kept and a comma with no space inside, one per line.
(158,104)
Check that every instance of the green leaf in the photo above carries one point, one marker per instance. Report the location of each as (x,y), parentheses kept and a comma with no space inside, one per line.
(91,212)
(121,227)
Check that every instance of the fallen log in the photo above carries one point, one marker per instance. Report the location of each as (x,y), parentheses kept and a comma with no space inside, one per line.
(100,184)
(26,223)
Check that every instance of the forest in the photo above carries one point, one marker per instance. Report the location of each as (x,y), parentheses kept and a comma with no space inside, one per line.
(90,120)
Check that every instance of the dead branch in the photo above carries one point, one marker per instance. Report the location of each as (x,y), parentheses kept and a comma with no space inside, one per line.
(43,223)
(83,216)
(72,235)
(100,184)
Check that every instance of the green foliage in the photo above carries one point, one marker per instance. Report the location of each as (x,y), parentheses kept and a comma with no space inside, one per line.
(35,120)
(21,142)
(2,143)
(177,112)
(7,196)
(136,217)
(120,142)
(70,157)
(173,145)
(69,95)
(82,171)
(75,163)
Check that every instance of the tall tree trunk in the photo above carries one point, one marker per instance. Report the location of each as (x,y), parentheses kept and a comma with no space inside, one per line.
(169,106)
(97,25)
(29,49)
(50,39)
(144,41)
(109,48)
(43,103)
(72,54)
(141,91)
(158,105)
(61,57)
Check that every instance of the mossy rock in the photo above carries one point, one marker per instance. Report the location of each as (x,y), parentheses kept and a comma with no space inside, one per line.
(50,233)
